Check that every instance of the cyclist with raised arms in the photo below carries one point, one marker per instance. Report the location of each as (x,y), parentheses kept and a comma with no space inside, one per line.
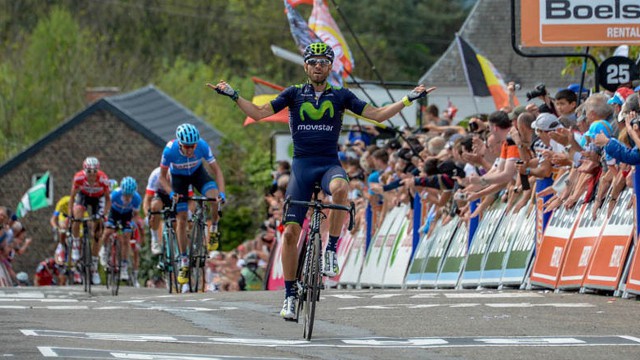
(315,118)
(183,159)
(89,192)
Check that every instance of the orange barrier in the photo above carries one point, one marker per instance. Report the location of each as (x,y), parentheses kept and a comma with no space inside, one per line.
(551,252)
(581,248)
(611,253)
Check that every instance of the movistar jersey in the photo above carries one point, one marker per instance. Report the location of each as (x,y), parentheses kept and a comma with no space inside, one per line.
(179,164)
(119,205)
(315,123)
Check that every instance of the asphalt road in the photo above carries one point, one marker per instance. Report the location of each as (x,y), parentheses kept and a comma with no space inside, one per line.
(351,324)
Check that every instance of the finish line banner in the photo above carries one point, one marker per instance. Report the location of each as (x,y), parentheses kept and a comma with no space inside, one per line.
(547,23)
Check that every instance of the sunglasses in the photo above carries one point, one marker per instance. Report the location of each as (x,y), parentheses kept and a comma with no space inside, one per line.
(322,62)
(91,171)
(188,146)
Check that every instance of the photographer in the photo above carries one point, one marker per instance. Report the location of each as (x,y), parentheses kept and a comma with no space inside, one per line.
(547,106)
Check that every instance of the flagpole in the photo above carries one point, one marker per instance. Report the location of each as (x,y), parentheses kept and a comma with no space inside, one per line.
(366,55)
(466,72)
(584,72)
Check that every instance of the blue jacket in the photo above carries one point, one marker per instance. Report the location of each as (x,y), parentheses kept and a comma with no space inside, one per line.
(620,152)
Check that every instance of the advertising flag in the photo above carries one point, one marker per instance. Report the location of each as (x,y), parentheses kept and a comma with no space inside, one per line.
(37,197)
(326,28)
(303,36)
(483,78)
(263,93)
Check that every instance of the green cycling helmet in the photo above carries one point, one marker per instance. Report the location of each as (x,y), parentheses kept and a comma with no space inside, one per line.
(318,49)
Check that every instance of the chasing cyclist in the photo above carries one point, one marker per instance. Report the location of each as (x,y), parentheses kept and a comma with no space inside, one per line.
(126,204)
(90,192)
(315,119)
(183,159)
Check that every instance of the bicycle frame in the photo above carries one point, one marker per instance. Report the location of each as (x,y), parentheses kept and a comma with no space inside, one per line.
(85,257)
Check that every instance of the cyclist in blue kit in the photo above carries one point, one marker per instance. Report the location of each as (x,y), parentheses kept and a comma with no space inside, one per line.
(183,158)
(125,204)
(315,118)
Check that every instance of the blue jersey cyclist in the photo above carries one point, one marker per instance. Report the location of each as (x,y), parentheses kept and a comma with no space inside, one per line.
(125,204)
(315,119)
(189,160)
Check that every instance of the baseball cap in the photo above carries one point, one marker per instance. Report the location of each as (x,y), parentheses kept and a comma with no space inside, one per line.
(598,127)
(636,89)
(546,122)
(620,96)
(516,112)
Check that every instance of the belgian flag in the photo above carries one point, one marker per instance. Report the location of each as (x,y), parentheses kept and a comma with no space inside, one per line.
(483,78)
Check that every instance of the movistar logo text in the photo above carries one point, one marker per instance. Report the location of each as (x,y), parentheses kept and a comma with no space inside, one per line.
(310,111)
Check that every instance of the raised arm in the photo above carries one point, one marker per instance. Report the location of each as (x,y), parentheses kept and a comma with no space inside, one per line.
(252,110)
(381,114)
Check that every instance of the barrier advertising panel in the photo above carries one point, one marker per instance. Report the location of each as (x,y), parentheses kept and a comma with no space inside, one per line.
(581,248)
(396,233)
(552,250)
(435,258)
(371,261)
(480,244)
(350,273)
(611,252)
(633,281)
(503,237)
(579,22)
(399,257)
(454,259)
(418,265)
(521,251)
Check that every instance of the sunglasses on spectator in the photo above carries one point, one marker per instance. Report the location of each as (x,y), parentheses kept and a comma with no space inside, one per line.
(322,62)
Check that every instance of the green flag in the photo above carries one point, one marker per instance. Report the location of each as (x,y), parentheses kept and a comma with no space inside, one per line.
(37,197)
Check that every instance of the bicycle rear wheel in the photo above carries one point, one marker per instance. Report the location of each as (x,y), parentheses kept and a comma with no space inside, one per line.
(312,281)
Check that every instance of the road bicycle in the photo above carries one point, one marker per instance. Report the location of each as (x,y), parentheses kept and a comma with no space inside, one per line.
(197,246)
(85,262)
(114,260)
(169,257)
(309,273)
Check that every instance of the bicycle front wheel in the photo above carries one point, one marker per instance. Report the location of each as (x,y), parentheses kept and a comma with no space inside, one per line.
(86,256)
(170,261)
(312,281)
(117,266)
(196,257)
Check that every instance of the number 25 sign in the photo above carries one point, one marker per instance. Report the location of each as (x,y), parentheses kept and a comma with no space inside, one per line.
(616,71)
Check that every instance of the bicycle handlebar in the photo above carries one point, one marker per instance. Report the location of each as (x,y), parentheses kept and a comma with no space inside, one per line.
(351,209)
(86,218)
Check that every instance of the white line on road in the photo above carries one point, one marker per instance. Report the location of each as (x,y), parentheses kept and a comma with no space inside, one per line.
(491,295)
(83,353)
(386,342)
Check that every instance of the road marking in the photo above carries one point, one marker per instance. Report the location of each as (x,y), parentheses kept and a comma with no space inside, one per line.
(36,300)
(368,342)
(465,305)
(83,353)
(491,295)
(385,296)
(343,296)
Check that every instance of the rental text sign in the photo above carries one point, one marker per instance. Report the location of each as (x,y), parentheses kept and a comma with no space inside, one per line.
(580,22)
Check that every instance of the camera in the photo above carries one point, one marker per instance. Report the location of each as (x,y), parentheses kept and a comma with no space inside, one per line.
(635,121)
(473,126)
(539,90)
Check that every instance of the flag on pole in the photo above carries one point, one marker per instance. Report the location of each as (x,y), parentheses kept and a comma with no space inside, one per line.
(38,197)
(326,28)
(483,78)
(303,36)
(263,93)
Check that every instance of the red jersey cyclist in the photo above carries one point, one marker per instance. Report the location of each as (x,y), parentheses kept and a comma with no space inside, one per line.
(89,192)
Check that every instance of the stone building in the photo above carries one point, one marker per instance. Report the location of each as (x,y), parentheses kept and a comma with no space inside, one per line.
(126,132)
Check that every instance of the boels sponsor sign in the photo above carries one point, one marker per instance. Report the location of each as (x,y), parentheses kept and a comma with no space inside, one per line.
(580,22)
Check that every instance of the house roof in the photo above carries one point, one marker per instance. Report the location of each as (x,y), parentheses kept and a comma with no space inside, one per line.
(488,30)
(147,110)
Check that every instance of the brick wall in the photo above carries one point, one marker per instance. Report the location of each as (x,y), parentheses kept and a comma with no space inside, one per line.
(121,152)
